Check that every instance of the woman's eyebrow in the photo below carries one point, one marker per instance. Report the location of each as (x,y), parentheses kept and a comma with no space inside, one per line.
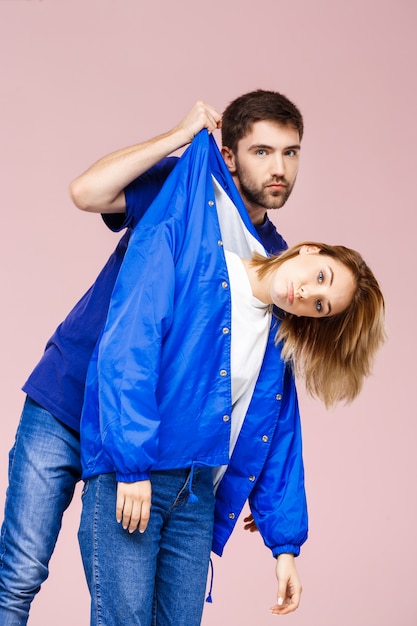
(329,310)
(331,275)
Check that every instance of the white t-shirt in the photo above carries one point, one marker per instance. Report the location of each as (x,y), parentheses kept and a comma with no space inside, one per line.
(251,320)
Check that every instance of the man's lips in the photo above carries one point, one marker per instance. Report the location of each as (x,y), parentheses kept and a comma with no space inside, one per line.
(277,188)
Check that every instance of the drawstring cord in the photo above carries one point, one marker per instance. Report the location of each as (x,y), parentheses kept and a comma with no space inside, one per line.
(209,598)
(192,497)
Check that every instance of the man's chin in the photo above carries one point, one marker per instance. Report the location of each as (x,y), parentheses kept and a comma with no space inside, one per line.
(276,200)
(275,205)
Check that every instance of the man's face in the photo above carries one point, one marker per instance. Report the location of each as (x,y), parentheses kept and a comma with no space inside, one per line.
(264,166)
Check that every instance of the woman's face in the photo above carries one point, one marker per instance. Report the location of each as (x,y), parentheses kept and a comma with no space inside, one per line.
(312,285)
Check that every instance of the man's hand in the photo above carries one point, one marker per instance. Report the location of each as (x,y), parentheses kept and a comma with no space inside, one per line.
(133,505)
(289,585)
(201,116)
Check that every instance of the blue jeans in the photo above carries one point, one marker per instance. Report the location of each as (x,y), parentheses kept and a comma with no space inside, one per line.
(158,577)
(44,466)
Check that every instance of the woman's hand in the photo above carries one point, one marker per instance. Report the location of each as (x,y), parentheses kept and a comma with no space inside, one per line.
(250,524)
(289,585)
(133,505)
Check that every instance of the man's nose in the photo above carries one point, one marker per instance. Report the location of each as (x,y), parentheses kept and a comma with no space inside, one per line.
(278,167)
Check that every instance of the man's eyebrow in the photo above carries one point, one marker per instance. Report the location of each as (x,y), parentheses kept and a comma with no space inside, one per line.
(264,146)
(260,146)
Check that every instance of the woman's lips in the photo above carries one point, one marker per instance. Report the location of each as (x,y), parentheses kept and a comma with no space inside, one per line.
(290,294)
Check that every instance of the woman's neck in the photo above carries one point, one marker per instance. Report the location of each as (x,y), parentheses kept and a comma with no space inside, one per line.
(261,287)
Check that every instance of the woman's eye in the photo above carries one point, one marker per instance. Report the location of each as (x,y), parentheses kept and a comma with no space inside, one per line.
(319,306)
(320,277)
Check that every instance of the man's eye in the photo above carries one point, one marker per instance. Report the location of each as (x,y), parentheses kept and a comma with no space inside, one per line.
(261,152)
(320,277)
(291,153)
(319,306)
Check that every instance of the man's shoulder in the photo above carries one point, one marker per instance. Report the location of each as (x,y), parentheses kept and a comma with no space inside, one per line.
(163,167)
(270,237)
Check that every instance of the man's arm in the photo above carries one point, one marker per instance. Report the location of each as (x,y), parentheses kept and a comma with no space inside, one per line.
(133,505)
(100,188)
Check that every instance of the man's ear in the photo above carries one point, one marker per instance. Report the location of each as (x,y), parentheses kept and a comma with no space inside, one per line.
(229,159)
(309,249)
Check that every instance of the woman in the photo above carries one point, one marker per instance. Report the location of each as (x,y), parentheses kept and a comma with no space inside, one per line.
(338,288)
(186,380)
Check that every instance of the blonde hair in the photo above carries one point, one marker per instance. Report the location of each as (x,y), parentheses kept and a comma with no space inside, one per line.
(333,354)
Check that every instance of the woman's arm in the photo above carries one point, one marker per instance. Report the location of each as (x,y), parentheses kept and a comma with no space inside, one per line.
(278,502)
(289,585)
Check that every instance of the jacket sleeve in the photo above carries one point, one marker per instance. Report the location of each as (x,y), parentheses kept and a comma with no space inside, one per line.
(128,358)
(278,501)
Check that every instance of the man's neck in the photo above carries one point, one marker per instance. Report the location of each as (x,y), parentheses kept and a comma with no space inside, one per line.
(257,214)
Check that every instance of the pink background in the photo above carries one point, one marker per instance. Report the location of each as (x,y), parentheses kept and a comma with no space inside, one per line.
(79,78)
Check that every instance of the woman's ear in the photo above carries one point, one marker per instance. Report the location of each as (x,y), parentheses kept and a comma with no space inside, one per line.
(229,159)
(309,249)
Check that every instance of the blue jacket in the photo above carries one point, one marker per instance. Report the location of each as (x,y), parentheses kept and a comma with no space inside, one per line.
(158,392)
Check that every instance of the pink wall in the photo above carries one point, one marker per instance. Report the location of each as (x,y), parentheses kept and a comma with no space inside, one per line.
(80,78)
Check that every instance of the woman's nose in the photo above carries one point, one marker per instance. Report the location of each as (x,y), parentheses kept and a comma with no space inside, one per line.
(302,292)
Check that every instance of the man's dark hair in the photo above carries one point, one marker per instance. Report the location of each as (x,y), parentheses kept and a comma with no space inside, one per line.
(257,106)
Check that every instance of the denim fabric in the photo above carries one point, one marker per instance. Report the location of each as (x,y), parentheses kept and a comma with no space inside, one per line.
(44,466)
(158,577)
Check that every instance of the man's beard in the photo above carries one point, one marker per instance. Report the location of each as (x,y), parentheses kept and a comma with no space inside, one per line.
(260,195)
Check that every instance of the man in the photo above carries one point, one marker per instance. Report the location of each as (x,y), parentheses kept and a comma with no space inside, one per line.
(261,136)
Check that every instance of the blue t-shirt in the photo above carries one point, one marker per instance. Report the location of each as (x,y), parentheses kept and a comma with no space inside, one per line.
(57,382)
